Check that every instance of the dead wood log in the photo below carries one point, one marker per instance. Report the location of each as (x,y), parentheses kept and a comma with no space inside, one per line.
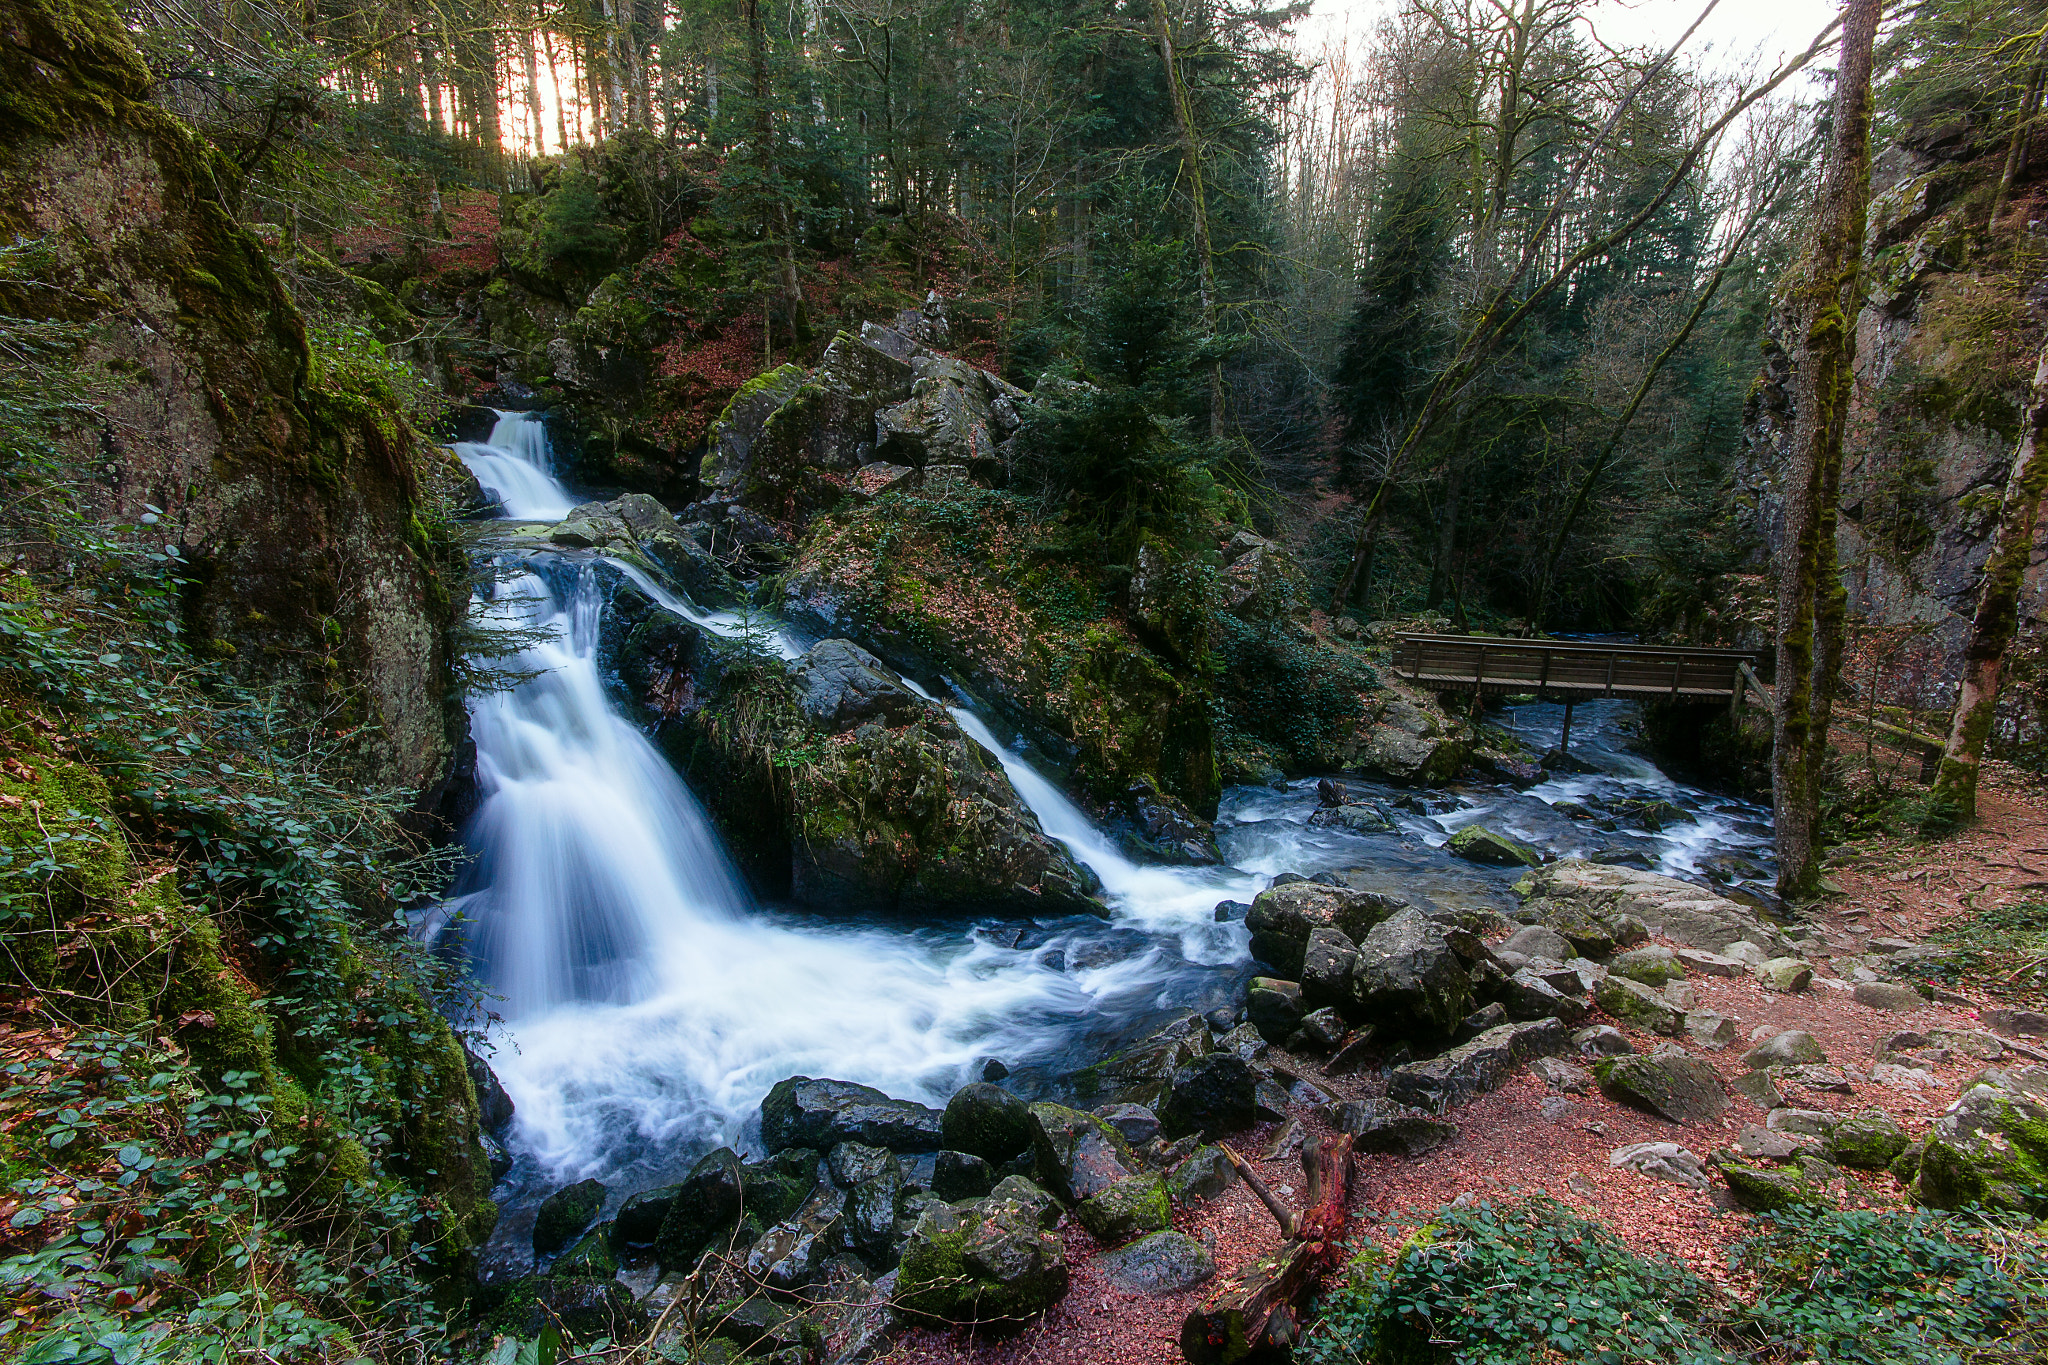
(1254,1313)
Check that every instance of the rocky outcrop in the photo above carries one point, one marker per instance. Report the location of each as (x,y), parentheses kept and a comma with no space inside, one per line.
(299,504)
(1598,906)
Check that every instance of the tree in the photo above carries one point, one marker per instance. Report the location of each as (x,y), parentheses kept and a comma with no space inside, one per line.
(1821,304)
(1954,797)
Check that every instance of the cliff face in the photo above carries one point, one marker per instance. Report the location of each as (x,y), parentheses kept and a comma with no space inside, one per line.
(1945,344)
(298,509)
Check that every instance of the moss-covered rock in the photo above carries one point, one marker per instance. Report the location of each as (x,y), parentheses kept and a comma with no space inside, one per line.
(988,1262)
(1991,1147)
(1870,1141)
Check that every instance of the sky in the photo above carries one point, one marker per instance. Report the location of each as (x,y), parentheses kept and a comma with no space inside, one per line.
(1740,35)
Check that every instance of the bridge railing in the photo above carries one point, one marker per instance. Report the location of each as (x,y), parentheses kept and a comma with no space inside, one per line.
(1569,670)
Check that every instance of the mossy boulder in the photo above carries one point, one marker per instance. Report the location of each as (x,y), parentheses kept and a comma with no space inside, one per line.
(1652,965)
(702,1208)
(988,1262)
(1478,844)
(1283,918)
(1869,1141)
(1634,1003)
(594,1255)
(1991,1147)
(565,1214)
(1762,1189)
(987,1121)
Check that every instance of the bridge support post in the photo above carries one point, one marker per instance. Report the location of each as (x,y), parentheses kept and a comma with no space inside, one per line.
(1564,741)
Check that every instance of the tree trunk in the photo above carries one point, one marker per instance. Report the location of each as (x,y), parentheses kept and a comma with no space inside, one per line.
(1447,530)
(555,80)
(1822,303)
(1191,162)
(1954,797)
(781,223)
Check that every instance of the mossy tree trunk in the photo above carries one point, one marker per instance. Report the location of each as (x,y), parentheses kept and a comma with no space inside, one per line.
(1955,785)
(1823,300)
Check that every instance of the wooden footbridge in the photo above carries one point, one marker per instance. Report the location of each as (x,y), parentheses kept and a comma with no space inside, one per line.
(1572,671)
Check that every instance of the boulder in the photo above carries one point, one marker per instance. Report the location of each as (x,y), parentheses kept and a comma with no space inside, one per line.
(1205,1173)
(493,1105)
(1089,1165)
(1790,1048)
(1273,1007)
(1536,940)
(641,1216)
(839,685)
(583,1306)
(1652,965)
(1990,1147)
(1669,1084)
(1559,1074)
(961,1175)
(872,1208)
(706,1206)
(821,1114)
(1602,1040)
(988,1262)
(1680,911)
(595,1255)
(1384,1126)
(565,1214)
(1634,1003)
(1282,918)
(1700,962)
(1762,1189)
(1663,1161)
(855,1163)
(1470,1070)
(778,1184)
(1138,1124)
(1486,1017)
(1409,980)
(2016,1023)
(1328,964)
(793,1253)
(1478,844)
(1163,1263)
(1869,1141)
(1032,1197)
(987,1121)
(1888,995)
(1143,1072)
(1408,744)
(1785,974)
(1321,1031)
(1214,1095)
(1528,994)
(1760,1088)
(1709,1029)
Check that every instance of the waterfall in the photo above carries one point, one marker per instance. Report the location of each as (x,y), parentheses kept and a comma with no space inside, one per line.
(517,466)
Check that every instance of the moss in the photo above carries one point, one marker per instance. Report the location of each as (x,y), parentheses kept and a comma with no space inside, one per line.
(1136,1204)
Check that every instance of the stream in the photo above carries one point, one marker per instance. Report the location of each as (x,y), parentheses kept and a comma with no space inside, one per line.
(648,1001)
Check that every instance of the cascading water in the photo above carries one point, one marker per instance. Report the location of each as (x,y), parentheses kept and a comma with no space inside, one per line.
(517,466)
(648,1005)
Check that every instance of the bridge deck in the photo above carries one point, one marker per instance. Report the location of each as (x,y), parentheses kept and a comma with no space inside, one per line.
(1568,670)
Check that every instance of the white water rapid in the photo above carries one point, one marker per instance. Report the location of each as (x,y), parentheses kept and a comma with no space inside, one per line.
(518,468)
(648,1003)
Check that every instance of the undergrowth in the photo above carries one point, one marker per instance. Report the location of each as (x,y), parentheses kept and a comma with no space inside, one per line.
(2001,951)
(1532,1282)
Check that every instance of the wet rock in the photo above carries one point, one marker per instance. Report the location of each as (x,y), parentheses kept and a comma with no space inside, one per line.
(1033,1198)
(793,1253)
(1536,940)
(1087,1163)
(1869,1141)
(1385,1126)
(961,1175)
(1231,912)
(1634,1003)
(839,685)
(1409,981)
(1321,1031)
(595,1255)
(987,1121)
(1652,965)
(565,1214)
(1135,1122)
(1354,1053)
(1408,745)
(1602,1040)
(1478,844)
(1163,1263)
(1203,1174)
(1142,1073)
(1214,1095)
(1662,1161)
(641,1216)
(1990,1147)
(872,1208)
(1785,974)
(1329,962)
(493,1105)
(855,1163)
(585,1307)
(1670,1085)
(821,1114)
(1274,1008)
(987,1262)
(1472,1069)
(1246,1042)
(706,1206)
(777,1184)
(1282,918)
(1790,1048)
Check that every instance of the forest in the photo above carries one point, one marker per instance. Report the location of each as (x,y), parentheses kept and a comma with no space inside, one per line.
(696,680)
